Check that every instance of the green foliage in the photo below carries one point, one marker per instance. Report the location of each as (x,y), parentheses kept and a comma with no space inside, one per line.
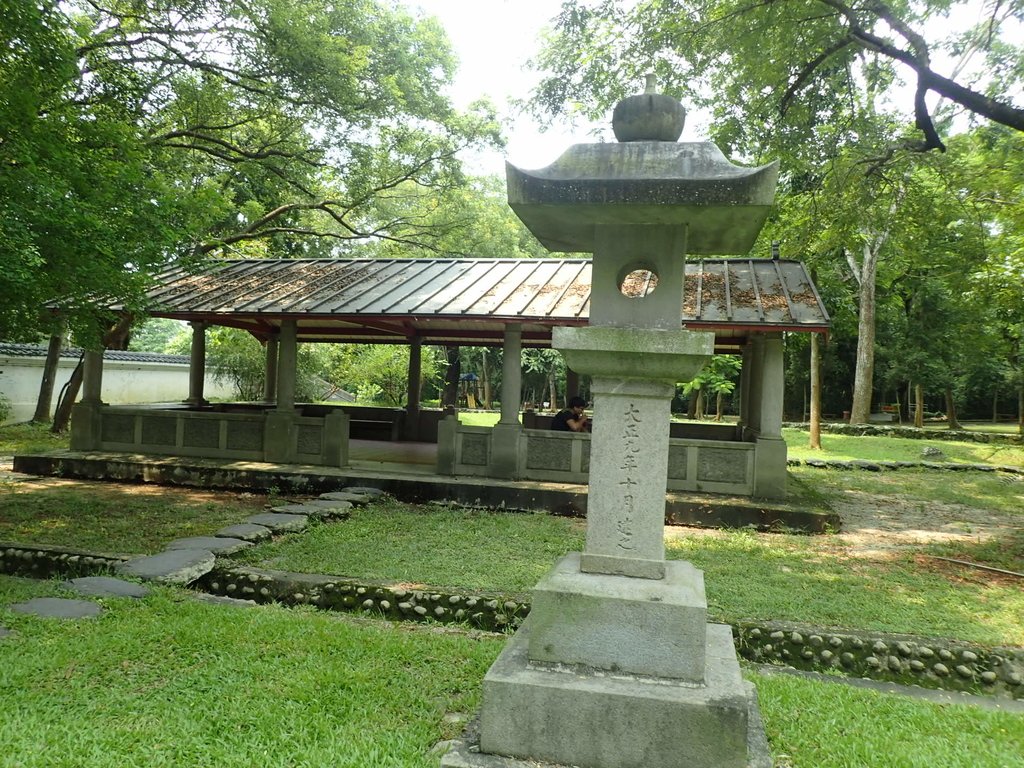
(158,334)
(137,135)
(379,372)
(471,221)
(236,357)
(793,73)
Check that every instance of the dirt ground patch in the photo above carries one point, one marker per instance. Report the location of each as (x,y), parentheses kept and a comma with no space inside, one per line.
(874,524)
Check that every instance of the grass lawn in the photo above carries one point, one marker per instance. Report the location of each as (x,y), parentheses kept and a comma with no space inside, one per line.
(812,579)
(879,448)
(169,681)
(981,490)
(115,517)
(30,438)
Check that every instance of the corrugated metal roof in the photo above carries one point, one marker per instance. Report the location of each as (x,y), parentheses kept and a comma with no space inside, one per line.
(470,300)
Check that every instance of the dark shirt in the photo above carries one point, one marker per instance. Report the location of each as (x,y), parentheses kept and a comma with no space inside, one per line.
(561,421)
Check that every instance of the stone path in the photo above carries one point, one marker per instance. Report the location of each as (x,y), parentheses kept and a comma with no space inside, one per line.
(183,561)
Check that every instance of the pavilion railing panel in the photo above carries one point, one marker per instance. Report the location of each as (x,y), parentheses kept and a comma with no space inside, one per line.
(218,434)
(714,466)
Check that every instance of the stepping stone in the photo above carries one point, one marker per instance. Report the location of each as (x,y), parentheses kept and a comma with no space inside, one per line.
(315,509)
(176,566)
(361,490)
(59,608)
(352,498)
(246,532)
(219,545)
(203,597)
(106,586)
(282,523)
(4,631)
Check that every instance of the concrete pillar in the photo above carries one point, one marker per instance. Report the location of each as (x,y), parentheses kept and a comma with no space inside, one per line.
(87,415)
(197,365)
(511,374)
(270,371)
(770,450)
(447,434)
(287,361)
(279,438)
(92,376)
(572,386)
(506,434)
(752,418)
(412,402)
(772,386)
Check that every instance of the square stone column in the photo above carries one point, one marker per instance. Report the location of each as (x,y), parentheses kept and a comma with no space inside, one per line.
(626,503)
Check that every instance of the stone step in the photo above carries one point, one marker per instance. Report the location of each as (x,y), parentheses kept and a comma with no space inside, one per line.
(246,532)
(219,545)
(175,566)
(106,586)
(279,523)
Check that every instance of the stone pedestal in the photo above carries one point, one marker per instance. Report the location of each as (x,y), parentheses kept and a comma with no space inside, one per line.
(583,718)
(650,627)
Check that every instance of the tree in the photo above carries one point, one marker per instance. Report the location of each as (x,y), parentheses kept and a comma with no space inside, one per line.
(138,134)
(787,65)
(813,82)
(469,221)
(992,171)
(379,372)
(155,334)
(718,377)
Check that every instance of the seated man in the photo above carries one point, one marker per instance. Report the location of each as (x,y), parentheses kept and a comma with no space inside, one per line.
(572,419)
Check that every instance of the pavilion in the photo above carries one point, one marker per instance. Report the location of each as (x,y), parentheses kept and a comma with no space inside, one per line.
(747,303)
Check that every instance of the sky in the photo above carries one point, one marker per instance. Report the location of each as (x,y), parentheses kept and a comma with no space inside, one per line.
(493,40)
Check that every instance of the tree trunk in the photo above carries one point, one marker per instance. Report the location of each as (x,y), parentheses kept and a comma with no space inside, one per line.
(691,404)
(863,380)
(450,390)
(919,406)
(815,426)
(62,416)
(553,389)
(1020,409)
(995,405)
(699,394)
(719,397)
(44,402)
(951,420)
(112,339)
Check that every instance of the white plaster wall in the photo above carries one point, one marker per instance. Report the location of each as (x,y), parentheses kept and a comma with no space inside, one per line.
(124,382)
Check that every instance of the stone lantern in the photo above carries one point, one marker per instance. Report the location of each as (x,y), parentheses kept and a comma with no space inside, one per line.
(616,666)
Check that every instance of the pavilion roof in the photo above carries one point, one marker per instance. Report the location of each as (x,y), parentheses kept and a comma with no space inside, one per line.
(469,301)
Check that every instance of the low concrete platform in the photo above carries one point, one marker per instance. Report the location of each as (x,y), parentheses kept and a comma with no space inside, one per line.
(613,721)
(802,511)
